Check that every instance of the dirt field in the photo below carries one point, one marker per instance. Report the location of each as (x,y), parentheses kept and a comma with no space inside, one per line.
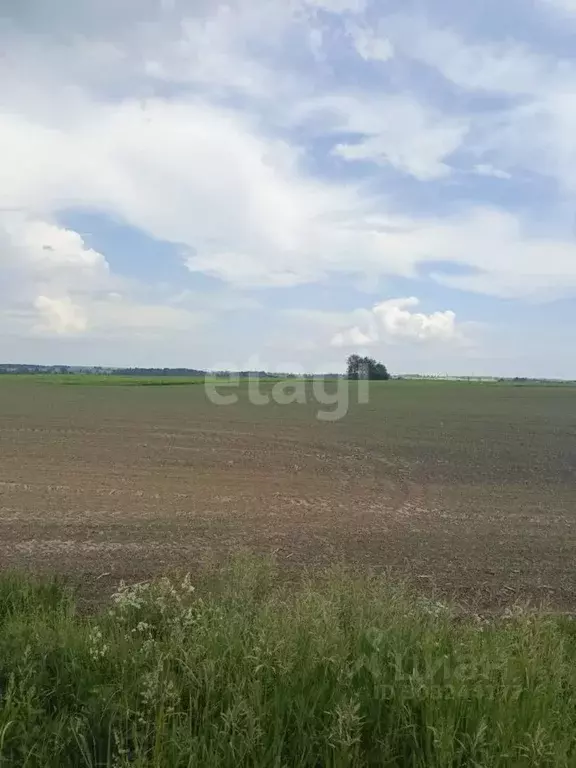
(467,488)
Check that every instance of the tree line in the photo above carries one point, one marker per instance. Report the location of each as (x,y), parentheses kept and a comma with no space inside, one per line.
(357,368)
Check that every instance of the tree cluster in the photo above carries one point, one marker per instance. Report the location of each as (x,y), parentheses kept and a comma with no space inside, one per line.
(366,368)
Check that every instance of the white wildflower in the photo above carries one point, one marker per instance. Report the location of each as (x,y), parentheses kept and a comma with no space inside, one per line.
(97,648)
(142,627)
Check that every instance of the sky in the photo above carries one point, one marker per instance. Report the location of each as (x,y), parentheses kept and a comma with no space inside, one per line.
(279,183)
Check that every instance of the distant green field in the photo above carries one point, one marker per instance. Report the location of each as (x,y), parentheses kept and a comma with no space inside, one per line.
(107,380)
(104,380)
(111,380)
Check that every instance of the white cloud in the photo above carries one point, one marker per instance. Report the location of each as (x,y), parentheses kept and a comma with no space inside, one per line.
(538,87)
(339,6)
(113,316)
(547,126)
(60,316)
(245,209)
(129,318)
(485,169)
(393,320)
(564,6)
(55,285)
(210,49)
(369,45)
(38,257)
(505,66)
(397,131)
(424,164)
(353,337)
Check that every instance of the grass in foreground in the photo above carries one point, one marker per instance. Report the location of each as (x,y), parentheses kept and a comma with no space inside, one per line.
(341,671)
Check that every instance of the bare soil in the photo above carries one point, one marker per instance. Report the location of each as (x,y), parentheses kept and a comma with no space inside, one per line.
(467,490)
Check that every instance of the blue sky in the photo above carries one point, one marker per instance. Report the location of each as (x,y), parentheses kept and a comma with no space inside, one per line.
(267,183)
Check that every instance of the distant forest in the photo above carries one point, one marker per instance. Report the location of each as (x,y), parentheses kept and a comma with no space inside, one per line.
(9,368)
(64,369)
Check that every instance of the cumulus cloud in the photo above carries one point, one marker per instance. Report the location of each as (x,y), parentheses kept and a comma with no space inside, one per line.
(394,320)
(55,285)
(43,266)
(47,249)
(60,316)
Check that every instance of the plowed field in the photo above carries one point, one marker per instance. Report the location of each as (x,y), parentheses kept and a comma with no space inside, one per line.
(465,488)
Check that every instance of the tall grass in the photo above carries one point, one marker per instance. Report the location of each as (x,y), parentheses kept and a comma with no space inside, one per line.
(338,671)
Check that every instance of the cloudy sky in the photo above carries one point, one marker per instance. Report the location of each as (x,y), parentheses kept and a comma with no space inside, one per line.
(277,183)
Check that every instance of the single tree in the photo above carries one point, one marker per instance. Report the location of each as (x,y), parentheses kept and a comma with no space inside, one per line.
(353,370)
